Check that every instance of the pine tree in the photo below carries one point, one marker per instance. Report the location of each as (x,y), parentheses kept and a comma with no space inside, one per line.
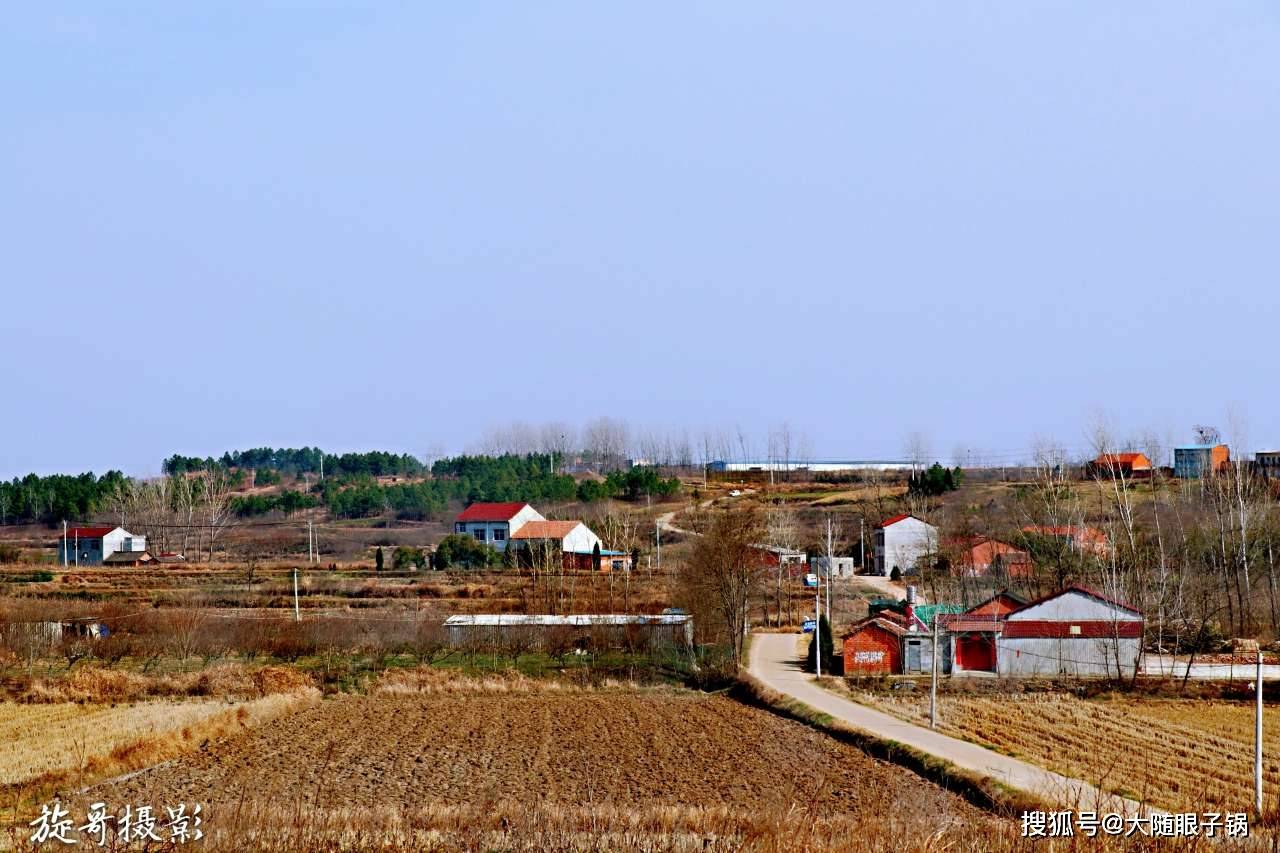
(821,636)
(377,559)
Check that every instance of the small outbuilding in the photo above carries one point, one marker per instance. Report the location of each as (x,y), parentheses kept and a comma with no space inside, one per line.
(874,646)
(898,642)
(832,567)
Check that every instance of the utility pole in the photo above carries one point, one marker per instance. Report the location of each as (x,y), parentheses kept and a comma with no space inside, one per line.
(77,547)
(657,529)
(297,614)
(933,681)
(64,543)
(309,547)
(321,466)
(1257,744)
(862,541)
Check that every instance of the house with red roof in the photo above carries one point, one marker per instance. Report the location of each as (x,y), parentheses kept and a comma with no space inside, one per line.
(493,523)
(901,542)
(576,544)
(1082,540)
(1077,631)
(980,557)
(87,545)
(518,527)
(1127,465)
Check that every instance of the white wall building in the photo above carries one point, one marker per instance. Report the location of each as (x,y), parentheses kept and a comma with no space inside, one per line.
(89,546)
(901,541)
(839,567)
(574,537)
(816,467)
(1073,632)
(493,523)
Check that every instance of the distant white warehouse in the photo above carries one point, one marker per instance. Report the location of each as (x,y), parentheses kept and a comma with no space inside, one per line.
(583,630)
(820,467)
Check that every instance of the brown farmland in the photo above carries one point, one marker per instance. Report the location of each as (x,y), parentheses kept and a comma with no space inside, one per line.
(544,748)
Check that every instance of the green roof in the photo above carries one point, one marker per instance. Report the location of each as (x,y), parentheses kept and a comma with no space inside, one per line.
(926,612)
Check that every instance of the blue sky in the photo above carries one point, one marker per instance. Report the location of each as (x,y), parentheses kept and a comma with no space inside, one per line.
(396,225)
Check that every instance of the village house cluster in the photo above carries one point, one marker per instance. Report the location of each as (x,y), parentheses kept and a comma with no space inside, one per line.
(519,528)
(1077,632)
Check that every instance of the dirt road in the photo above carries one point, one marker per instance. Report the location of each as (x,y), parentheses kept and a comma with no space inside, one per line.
(666,521)
(886,587)
(773,662)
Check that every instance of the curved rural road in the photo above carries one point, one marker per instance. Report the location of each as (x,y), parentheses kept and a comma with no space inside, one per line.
(773,661)
(666,521)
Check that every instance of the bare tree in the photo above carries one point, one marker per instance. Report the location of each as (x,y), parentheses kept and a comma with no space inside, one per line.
(557,439)
(185,500)
(605,440)
(122,500)
(916,449)
(725,571)
(782,527)
(153,511)
(214,490)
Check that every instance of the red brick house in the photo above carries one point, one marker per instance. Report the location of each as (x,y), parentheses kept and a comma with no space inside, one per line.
(979,557)
(874,646)
(1084,540)
(1135,465)
(995,607)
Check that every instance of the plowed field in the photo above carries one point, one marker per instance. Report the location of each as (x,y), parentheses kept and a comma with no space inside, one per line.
(620,748)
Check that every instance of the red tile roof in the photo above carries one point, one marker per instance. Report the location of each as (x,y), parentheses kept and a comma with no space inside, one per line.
(491,511)
(88,532)
(1013,600)
(981,553)
(894,520)
(545,529)
(971,626)
(1123,459)
(879,623)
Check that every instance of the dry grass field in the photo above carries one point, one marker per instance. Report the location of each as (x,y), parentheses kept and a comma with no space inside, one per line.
(559,768)
(87,739)
(1176,753)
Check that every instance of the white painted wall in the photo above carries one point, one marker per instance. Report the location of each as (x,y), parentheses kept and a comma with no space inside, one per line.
(841,567)
(490,529)
(1096,656)
(1074,605)
(1077,656)
(902,543)
(581,540)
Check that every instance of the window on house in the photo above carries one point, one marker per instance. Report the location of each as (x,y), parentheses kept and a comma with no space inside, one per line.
(460,527)
(479,534)
(499,534)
